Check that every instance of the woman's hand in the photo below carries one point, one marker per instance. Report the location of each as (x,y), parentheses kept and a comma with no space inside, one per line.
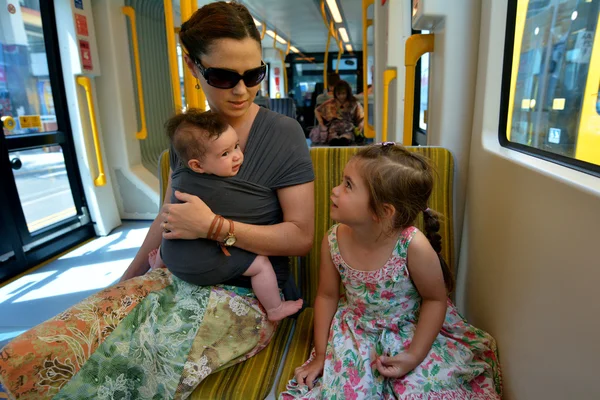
(190,219)
(397,366)
(306,374)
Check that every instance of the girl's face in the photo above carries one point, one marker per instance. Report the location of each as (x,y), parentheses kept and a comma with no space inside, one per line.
(341,95)
(350,199)
(233,55)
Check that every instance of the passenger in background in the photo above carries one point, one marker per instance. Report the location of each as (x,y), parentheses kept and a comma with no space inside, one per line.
(394,334)
(332,79)
(342,117)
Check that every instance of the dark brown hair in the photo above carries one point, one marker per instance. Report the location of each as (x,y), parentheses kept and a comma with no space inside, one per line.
(343,86)
(393,175)
(214,21)
(190,130)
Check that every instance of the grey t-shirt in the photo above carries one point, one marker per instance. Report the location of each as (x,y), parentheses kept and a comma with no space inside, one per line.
(276,156)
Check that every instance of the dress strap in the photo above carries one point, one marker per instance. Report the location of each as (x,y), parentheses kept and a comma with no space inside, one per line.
(332,240)
(405,238)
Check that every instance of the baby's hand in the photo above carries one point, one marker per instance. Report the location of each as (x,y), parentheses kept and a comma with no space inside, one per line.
(397,366)
(306,374)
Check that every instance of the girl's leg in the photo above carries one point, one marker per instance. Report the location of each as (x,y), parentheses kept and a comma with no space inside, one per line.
(264,284)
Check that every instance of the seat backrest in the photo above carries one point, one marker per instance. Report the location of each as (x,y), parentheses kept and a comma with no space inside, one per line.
(284,106)
(329,163)
(263,101)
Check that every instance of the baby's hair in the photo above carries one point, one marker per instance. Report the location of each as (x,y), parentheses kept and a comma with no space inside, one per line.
(189,132)
(403,179)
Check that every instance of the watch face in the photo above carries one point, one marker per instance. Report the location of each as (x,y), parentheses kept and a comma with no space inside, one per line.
(230,241)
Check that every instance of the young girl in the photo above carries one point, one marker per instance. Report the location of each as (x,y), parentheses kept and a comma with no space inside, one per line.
(395,334)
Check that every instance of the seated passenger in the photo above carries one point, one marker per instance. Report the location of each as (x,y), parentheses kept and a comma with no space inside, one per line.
(342,117)
(210,148)
(332,79)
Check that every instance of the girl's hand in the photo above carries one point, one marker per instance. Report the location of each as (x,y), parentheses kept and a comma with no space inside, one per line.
(397,366)
(188,220)
(306,374)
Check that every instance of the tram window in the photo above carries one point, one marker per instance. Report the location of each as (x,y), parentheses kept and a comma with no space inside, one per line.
(550,100)
(424,92)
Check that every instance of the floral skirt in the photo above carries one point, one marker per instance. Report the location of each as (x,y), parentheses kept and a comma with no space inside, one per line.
(153,336)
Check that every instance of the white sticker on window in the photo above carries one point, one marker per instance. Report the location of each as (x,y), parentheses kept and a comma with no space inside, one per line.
(554,135)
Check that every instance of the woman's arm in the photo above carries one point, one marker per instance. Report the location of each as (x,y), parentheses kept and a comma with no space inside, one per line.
(319,117)
(326,302)
(359,116)
(426,273)
(140,265)
(293,237)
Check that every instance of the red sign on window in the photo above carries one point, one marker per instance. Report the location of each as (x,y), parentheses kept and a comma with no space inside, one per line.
(86,55)
(81,24)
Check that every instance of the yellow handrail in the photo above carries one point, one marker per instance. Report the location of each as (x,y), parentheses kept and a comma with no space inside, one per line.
(416,46)
(388,76)
(264,31)
(130,13)
(326,62)
(283,71)
(369,129)
(194,97)
(173,67)
(87,85)
(340,52)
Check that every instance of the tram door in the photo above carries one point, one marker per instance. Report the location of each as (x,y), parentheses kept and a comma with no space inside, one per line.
(42,206)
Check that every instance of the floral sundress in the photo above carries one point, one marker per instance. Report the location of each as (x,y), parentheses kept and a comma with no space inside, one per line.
(378,315)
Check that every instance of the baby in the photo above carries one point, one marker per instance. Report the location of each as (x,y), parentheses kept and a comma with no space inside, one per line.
(210,149)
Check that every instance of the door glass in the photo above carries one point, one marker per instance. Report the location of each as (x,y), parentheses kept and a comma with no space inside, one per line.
(43,186)
(25,91)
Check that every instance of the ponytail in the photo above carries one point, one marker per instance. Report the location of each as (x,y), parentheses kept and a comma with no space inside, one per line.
(432,227)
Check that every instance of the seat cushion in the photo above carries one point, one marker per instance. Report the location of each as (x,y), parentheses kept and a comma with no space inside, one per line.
(299,349)
(251,379)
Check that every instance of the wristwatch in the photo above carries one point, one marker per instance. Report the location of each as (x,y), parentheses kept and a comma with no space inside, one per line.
(230,239)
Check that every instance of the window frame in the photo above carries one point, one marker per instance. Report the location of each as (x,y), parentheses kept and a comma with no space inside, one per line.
(509,45)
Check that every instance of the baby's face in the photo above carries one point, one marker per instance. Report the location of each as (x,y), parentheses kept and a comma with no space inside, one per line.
(223,156)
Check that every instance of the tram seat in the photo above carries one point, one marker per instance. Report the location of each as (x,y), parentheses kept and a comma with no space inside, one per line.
(263,101)
(329,164)
(254,378)
(284,106)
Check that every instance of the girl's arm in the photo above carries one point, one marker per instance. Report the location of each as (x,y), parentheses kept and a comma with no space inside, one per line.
(293,237)
(140,265)
(326,302)
(426,273)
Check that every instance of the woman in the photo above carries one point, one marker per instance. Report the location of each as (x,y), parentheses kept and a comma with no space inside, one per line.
(342,117)
(153,335)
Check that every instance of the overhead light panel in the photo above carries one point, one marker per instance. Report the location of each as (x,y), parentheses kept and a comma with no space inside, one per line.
(335,12)
(349,47)
(294,49)
(344,35)
(271,33)
(256,22)
(280,39)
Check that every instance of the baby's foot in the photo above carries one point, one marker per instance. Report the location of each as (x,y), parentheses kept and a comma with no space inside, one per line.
(285,309)
(154,260)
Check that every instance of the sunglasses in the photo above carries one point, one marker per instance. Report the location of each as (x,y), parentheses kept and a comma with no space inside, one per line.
(226,79)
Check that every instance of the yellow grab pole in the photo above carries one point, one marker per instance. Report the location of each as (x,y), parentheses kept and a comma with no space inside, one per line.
(325,63)
(142,134)
(194,97)
(388,76)
(341,46)
(173,67)
(369,129)
(264,31)
(416,46)
(84,81)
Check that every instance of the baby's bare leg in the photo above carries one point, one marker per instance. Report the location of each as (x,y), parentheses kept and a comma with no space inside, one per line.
(264,284)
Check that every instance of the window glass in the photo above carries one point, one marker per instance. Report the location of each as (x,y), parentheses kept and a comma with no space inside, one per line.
(554,103)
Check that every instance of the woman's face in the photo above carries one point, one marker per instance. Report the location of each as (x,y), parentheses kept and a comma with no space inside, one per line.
(341,95)
(234,55)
